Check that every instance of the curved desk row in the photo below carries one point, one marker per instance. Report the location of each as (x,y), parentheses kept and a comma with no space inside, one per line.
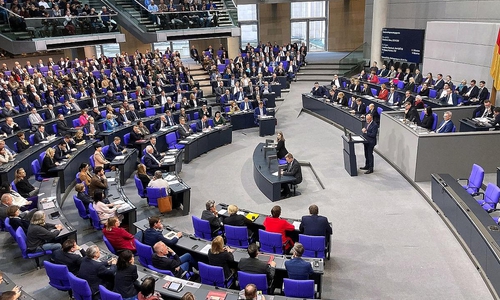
(8,285)
(202,142)
(115,194)
(265,172)
(198,248)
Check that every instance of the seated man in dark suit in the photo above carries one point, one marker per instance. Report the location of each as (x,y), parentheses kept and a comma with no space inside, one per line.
(296,267)
(316,225)
(96,272)
(92,128)
(154,233)
(115,149)
(9,111)
(318,90)
(136,135)
(246,105)
(70,255)
(165,258)
(211,215)
(40,134)
(62,127)
(122,118)
(151,162)
(496,115)
(293,169)
(61,152)
(184,129)
(359,108)
(161,123)
(9,127)
(485,110)
(259,112)
(13,213)
(253,265)
(411,113)
(202,124)
(446,125)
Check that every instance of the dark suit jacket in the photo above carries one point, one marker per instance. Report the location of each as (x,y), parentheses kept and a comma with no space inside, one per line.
(62,127)
(446,128)
(60,154)
(412,115)
(149,162)
(210,217)
(294,170)
(121,119)
(360,109)
(71,260)
(454,98)
(474,92)
(427,122)
(375,115)
(281,149)
(371,134)
(18,222)
(316,225)
(157,125)
(38,137)
(183,132)
(482,94)
(479,111)
(133,116)
(153,236)
(124,281)
(134,137)
(298,269)
(168,263)
(114,151)
(96,128)
(47,164)
(8,130)
(96,273)
(256,266)
(200,125)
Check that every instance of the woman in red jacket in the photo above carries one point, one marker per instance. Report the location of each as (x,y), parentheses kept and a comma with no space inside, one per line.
(384,92)
(278,225)
(119,238)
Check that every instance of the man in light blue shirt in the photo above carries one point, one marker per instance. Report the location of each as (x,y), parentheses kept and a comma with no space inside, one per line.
(153,8)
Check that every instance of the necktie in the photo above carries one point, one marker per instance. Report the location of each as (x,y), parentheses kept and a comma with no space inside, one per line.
(485,113)
(289,166)
(52,114)
(246,105)
(152,156)
(125,117)
(135,115)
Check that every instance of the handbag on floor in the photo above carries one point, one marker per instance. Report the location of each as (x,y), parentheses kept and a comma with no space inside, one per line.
(165,204)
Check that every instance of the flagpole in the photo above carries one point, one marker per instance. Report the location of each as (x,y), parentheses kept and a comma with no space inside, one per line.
(493,95)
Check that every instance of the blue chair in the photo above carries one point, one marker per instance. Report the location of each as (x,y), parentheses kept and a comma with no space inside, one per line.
(490,197)
(76,123)
(31,139)
(145,253)
(126,139)
(108,244)
(260,281)
(214,276)
(202,228)
(108,295)
(154,193)
(35,168)
(432,94)
(150,111)
(165,272)
(380,110)
(236,236)
(105,150)
(171,139)
(374,92)
(81,209)
(77,178)
(41,157)
(298,288)
(271,242)
(9,228)
(21,241)
(401,85)
(196,115)
(58,276)
(475,180)
(193,127)
(454,129)
(435,124)
(96,222)
(81,289)
(140,187)
(211,123)
(15,147)
(314,246)
(92,161)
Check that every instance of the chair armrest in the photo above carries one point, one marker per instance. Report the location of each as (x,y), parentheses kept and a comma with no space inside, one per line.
(232,276)
(466,180)
(477,194)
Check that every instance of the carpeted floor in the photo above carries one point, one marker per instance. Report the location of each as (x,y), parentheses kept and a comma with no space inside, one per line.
(387,244)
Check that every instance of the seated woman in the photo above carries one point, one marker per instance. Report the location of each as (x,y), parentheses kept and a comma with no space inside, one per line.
(22,143)
(80,194)
(84,174)
(49,163)
(147,290)
(384,92)
(126,276)
(218,119)
(275,224)
(221,256)
(15,221)
(143,176)
(79,137)
(40,234)
(104,211)
(84,118)
(23,186)
(428,119)
(233,107)
(280,147)
(119,238)
(110,122)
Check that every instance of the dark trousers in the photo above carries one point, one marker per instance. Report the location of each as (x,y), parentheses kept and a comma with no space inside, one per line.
(369,155)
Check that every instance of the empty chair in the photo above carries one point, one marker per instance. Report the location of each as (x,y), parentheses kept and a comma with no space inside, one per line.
(54,129)
(196,115)
(434,125)
(150,111)
(260,281)
(108,295)
(31,139)
(236,236)
(145,253)
(475,180)
(202,228)
(271,242)
(374,92)
(76,123)
(81,208)
(96,222)
(193,127)
(21,241)
(490,197)
(9,228)
(92,161)
(126,139)
(214,276)
(58,276)
(140,187)
(432,94)
(401,85)
(154,193)
(314,246)
(171,139)
(380,110)
(35,168)
(81,289)
(298,288)
(108,244)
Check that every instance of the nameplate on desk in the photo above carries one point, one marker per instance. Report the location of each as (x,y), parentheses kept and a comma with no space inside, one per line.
(44,142)
(206,248)
(112,179)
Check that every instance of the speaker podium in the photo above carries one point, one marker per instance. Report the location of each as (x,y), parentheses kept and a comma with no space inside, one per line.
(350,164)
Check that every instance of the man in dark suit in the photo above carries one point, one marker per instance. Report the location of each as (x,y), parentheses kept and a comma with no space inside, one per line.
(393,97)
(471,93)
(259,112)
(211,215)
(165,258)
(496,121)
(70,255)
(60,152)
(50,114)
(136,135)
(161,123)
(373,111)
(122,118)
(8,110)
(62,127)
(370,134)
(202,124)
(92,128)
(450,98)
(439,84)
(316,225)
(246,105)
(418,77)
(253,265)
(485,110)
(169,118)
(115,149)
(97,272)
(411,113)
(132,114)
(184,129)
(296,267)
(293,169)
(317,90)
(446,125)
(359,108)
(194,54)
(151,162)
(40,134)
(154,233)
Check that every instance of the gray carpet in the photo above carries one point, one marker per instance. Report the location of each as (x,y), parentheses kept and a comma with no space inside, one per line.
(387,243)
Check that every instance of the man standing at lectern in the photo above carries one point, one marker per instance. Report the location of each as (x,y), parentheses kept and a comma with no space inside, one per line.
(370,135)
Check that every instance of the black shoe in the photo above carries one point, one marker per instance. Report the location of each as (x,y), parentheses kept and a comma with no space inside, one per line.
(369,172)
(363,168)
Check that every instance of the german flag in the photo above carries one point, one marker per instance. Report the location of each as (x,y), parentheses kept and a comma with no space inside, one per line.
(495,64)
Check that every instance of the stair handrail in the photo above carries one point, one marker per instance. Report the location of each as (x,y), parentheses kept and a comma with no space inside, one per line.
(348,55)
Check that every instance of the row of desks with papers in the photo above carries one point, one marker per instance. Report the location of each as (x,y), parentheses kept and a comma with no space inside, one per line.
(164,283)
(199,248)
(180,191)
(115,194)
(202,142)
